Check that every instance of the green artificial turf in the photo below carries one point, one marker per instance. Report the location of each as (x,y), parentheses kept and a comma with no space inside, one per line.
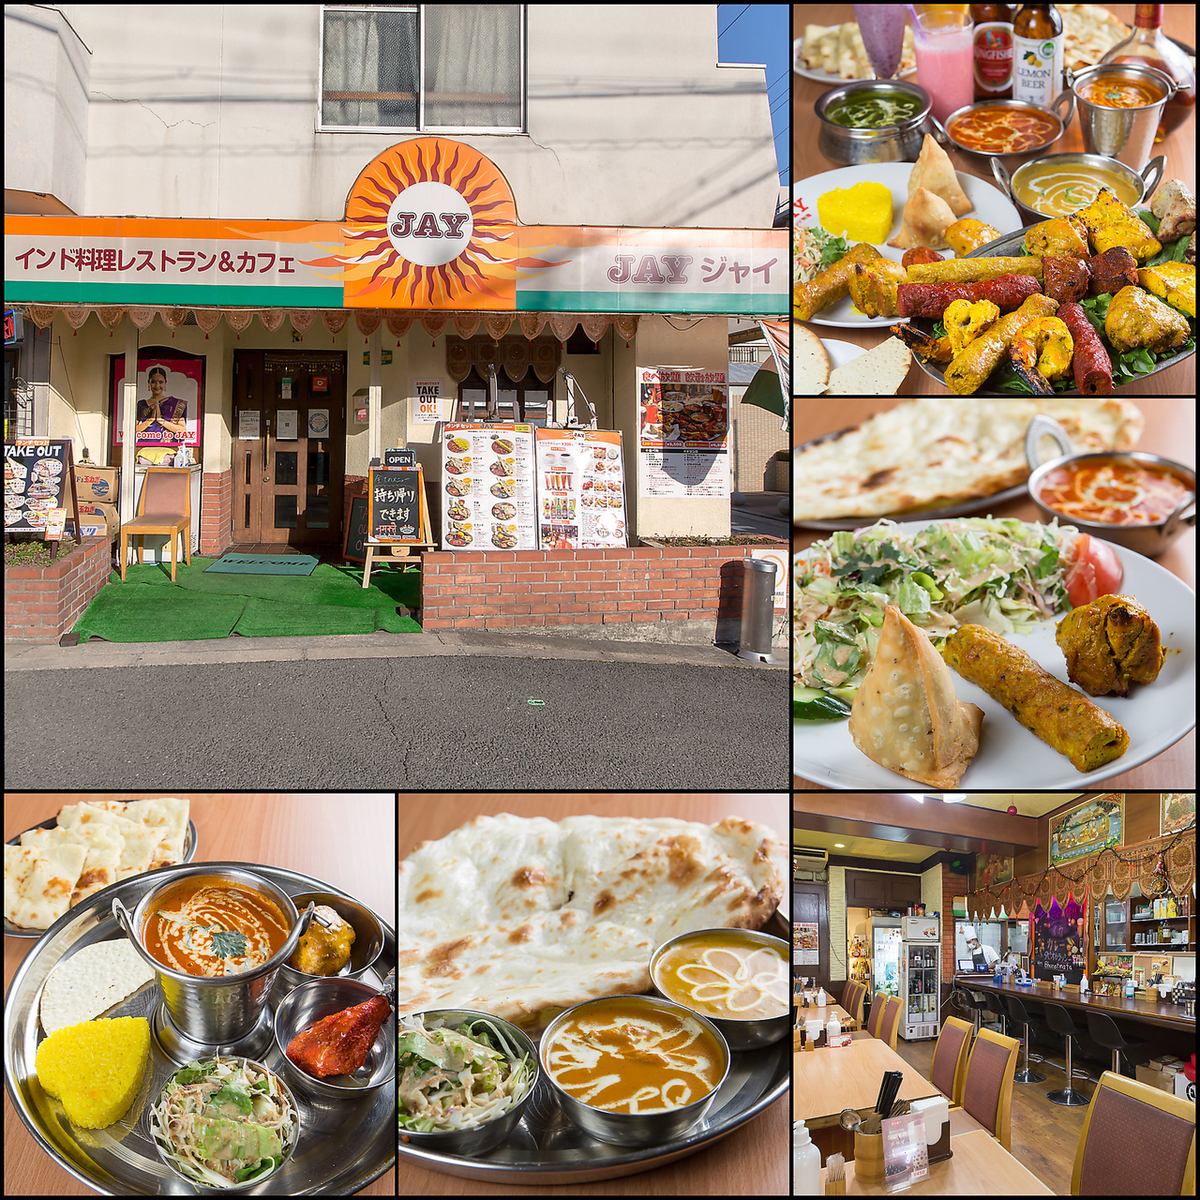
(148,607)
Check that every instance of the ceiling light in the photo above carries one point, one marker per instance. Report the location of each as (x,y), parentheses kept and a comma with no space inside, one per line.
(839,845)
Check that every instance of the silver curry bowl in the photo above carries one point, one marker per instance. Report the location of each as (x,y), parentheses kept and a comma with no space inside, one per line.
(1150,540)
(216,1011)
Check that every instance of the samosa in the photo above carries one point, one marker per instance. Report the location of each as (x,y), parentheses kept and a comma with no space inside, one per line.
(906,715)
(935,171)
(926,218)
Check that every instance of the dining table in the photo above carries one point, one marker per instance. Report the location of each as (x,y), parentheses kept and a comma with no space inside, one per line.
(829,1079)
(814,1012)
(978,1166)
(1178,148)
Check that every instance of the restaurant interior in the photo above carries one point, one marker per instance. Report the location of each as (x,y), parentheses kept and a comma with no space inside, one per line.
(994,993)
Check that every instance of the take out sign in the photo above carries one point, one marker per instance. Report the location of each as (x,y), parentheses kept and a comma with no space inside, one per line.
(429,223)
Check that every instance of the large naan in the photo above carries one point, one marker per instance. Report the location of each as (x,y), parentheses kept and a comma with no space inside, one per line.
(941,451)
(523,916)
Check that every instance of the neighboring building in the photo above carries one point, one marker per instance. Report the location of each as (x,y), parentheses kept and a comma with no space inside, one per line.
(755,435)
(267,134)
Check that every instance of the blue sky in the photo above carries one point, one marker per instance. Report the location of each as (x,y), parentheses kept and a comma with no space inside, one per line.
(759,33)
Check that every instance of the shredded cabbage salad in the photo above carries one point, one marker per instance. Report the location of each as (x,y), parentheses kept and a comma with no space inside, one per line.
(1002,573)
(458,1078)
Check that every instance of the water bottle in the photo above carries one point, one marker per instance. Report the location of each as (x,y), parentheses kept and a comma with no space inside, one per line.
(821,998)
(806,1162)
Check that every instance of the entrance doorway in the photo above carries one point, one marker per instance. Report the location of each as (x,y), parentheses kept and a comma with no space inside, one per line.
(289,447)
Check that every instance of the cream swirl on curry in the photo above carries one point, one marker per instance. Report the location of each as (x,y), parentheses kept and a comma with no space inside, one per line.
(725,976)
(628,1057)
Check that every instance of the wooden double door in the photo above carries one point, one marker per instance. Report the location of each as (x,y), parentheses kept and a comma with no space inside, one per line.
(289,447)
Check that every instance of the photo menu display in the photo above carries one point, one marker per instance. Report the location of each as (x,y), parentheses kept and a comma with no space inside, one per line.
(581,489)
(488,487)
(35,484)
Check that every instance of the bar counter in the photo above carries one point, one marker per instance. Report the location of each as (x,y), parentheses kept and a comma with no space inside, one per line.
(1151,1012)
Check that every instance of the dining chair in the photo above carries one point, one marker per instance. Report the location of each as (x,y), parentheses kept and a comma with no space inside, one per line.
(876,1017)
(988,1087)
(852,1001)
(889,1027)
(950,1058)
(1137,1140)
(164,507)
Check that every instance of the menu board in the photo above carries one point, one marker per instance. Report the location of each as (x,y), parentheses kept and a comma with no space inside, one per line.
(396,505)
(580,489)
(682,431)
(1059,945)
(35,483)
(489,496)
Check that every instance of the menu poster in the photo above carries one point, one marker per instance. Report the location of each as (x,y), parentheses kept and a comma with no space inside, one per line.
(806,946)
(489,491)
(905,1151)
(581,489)
(1059,943)
(35,483)
(682,429)
(685,473)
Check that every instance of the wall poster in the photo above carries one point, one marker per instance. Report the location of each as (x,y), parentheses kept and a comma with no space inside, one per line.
(1059,943)
(806,945)
(170,403)
(1087,829)
(1177,810)
(581,489)
(683,426)
(991,870)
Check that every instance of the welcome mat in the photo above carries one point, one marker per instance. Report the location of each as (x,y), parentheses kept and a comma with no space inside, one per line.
(264,564)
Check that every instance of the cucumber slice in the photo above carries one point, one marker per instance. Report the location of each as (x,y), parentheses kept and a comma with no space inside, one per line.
(811,704)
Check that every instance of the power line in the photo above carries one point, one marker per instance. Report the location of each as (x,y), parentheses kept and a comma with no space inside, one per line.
(722,32)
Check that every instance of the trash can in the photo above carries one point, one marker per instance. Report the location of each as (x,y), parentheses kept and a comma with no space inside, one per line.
(758,610)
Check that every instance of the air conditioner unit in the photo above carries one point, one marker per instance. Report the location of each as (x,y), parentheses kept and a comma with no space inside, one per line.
(805,858)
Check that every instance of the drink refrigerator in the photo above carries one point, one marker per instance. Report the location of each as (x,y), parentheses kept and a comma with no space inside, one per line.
(920,977)
(886,934)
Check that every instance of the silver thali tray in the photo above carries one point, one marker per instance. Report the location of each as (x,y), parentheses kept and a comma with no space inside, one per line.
(548,1149)
(10,930)
(934,512)
(1010,244)
(341,1146)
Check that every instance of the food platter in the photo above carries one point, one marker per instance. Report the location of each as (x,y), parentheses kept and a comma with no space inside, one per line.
(11,930)
(341,1147)
(1009,755)
(961,508)
(1010,244)
(548,1149)
(988,204)
(817,75)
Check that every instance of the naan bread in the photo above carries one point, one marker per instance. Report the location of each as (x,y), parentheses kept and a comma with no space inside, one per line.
(942,451)
(38,881)
(906,715)
(521,917)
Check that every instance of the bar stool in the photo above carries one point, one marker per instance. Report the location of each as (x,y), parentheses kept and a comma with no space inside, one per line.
(995,1006)
(977,1004)
(1104,1029)
(1020,1017)
(1060,1021)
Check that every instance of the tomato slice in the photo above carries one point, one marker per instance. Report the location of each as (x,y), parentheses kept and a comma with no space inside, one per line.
(1095,571)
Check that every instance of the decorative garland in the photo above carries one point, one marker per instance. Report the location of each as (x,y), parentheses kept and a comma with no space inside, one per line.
(1156,865)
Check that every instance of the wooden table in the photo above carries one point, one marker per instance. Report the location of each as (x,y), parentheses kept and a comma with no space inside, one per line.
(827,1080)
(830,1010)
(980,1166)
(754,1160)
(807,160)
(1148,1012)
(345,840)
(1170,430)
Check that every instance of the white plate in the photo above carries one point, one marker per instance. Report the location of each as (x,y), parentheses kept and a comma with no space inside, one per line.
(840,353)
(988,203)
(818,76)
(1011,758)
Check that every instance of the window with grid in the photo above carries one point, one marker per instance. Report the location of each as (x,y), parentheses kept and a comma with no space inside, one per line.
(527,400)
(423,67)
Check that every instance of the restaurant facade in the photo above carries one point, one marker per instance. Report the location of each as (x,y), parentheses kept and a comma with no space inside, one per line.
(340,260)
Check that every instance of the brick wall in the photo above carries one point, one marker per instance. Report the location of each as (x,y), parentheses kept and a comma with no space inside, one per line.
(952,885)
(216,512)
(511,589)
(42,603)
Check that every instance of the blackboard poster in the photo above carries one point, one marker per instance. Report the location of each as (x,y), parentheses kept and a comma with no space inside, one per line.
(396,510)
(36,478)
(1059,944)
(354,548)
(400,457)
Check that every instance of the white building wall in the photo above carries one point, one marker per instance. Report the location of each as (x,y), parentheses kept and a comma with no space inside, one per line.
(211,111)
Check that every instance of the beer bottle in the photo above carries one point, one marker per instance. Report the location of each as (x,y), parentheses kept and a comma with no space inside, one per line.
(1037,54)
(993,50)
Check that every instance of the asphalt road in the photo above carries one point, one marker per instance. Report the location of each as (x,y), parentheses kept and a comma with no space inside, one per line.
(391,724)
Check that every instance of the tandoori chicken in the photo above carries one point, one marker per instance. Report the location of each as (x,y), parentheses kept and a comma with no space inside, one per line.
(339,1043)
(1110,644)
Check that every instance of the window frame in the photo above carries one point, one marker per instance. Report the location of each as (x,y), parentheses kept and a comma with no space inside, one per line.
(422,127)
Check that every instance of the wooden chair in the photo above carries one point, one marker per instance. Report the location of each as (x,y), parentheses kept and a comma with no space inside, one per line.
(876,1018)
(988,1087)
(889,1027)
(1136,1141)
(164,507)
(852,1001)
(949,1070)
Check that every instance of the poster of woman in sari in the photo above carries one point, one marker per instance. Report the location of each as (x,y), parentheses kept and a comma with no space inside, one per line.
(170,395)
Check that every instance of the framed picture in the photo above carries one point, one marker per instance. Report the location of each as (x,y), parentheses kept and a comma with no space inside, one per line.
(991,870)
(1177,810)
(170,403)
(1087,829)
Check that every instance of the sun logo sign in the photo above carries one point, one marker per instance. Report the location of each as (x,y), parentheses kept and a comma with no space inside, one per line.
(428,224)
